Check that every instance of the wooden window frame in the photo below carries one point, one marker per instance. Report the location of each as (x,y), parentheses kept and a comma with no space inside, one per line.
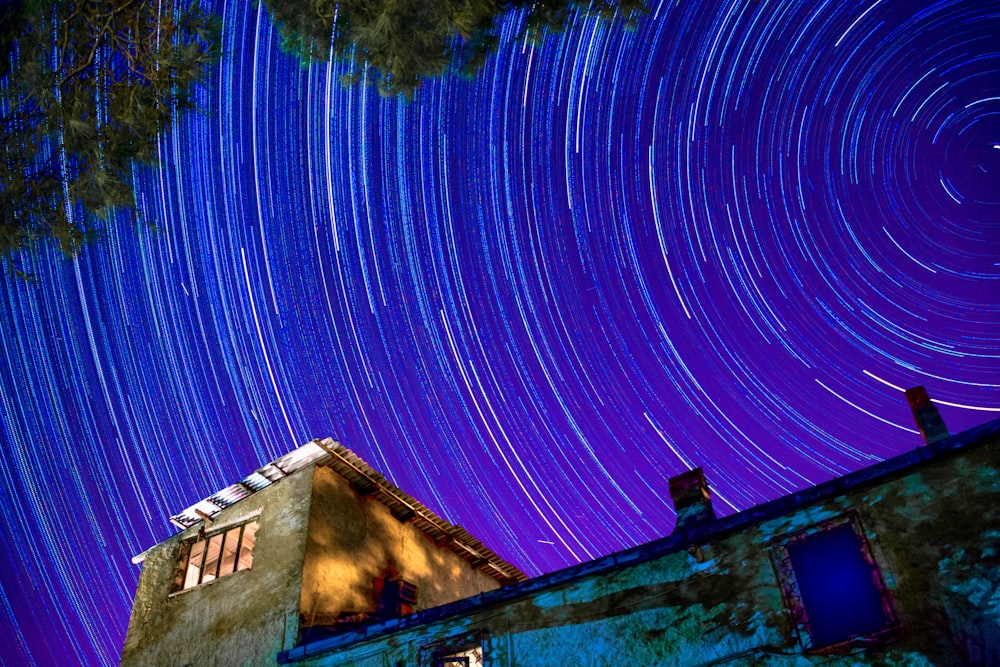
(179,583)
(437,654)
(792,595)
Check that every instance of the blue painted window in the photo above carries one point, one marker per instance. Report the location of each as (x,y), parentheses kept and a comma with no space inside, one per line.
(833,587)
(840,589)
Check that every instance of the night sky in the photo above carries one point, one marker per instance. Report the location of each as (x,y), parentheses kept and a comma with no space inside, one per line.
(730,239)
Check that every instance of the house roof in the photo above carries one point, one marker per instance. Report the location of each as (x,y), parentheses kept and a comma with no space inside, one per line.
(365,480)
(681,539)
(263,477)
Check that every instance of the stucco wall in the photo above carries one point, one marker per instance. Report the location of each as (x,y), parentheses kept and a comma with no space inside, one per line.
(243,618)
(353,541)
(935,532)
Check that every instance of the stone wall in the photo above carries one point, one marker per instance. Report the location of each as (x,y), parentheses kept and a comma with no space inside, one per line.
(933,529)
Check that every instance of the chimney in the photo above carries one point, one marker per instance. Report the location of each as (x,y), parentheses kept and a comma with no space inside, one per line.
(926,415)
(689,491)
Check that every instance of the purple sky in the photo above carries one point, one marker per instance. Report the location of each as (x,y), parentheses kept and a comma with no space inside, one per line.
(728,239)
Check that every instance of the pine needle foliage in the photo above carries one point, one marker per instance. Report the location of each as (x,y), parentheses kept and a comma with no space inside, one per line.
(86,88)
(398,44)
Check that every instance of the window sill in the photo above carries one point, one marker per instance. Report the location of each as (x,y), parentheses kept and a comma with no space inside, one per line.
(852,645)
(206,584)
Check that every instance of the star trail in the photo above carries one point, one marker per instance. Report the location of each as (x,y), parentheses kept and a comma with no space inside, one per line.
(728,238)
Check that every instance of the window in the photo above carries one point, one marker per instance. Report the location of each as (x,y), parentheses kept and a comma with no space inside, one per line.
(207,558)
(833,586)
(472,657)
(397,598)
(464,651)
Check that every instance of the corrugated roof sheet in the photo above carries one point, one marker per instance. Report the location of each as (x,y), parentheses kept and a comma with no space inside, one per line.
(261,478)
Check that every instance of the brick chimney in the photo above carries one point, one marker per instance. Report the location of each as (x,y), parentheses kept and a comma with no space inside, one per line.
(926,415)
(689,491)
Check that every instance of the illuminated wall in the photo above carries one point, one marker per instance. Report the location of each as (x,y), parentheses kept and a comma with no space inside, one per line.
(354,541)
(321,554)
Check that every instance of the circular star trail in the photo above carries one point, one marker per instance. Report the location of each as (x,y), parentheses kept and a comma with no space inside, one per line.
(727,239)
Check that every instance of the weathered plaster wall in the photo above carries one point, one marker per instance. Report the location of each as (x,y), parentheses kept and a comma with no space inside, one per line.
(940,533)
(935,532)
(354,540)
(654,612)
(244,618)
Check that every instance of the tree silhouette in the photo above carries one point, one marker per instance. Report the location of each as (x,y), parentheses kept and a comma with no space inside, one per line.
(398,44)
(86,88)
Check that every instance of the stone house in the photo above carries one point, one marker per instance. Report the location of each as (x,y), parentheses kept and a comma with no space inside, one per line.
(895,564)
(312,544)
